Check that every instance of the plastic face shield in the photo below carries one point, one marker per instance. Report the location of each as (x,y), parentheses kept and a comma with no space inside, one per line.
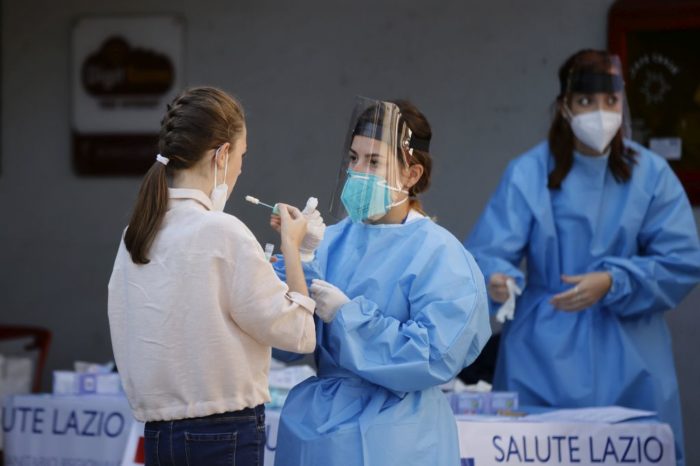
(597,85)
(375,155)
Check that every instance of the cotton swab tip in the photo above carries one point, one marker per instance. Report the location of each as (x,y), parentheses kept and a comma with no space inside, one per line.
(256,201)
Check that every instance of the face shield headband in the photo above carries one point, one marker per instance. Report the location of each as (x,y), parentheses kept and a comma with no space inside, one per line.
(588,82)
(409,141)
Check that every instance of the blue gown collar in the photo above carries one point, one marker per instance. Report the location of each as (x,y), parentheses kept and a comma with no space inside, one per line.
(592,160)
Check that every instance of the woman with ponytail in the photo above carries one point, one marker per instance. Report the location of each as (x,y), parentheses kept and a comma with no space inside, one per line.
(194,306)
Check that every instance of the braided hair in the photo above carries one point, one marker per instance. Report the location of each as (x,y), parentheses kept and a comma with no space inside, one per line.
(419,125)
(198,120)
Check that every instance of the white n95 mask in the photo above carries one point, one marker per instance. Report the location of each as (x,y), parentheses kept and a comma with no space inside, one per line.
(596,129)
(219,194)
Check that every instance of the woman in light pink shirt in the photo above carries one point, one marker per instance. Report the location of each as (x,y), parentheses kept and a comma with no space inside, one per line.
(194,306)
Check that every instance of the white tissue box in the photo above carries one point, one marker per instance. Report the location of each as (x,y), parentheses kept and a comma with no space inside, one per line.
(468,402)
(86,383)
(289,376)
(483,402)
(503,402)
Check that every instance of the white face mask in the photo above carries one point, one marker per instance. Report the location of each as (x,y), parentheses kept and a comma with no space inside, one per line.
(219,194)
(595,129)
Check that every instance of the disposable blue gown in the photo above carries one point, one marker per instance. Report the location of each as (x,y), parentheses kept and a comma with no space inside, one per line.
(418,315)
(617,352)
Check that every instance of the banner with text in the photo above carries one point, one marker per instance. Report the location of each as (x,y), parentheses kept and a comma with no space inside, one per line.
(65,431)
(510,443)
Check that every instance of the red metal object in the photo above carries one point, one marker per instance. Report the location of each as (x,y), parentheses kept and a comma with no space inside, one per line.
(629,17)
(651,15)
(140,456)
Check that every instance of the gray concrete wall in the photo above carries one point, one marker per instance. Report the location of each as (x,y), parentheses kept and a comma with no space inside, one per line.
(483,72)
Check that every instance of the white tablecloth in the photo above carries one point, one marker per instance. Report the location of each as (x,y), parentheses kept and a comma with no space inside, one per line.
(565,444)
(65,430)
(95,430)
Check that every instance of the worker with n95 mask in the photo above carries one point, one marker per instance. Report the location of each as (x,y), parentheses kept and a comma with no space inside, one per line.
(610,244)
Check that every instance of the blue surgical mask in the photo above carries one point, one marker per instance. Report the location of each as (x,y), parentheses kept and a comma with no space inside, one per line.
(367,196)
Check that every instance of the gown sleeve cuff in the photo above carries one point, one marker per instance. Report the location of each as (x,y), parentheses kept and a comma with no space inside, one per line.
(620,286)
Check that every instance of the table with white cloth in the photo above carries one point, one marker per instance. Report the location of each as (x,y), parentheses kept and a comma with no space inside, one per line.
(88,430)
(494,441)
(93,430)
(488,441)
(85,430)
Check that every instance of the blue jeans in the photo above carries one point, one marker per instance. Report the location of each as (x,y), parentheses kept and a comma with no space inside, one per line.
(233,439)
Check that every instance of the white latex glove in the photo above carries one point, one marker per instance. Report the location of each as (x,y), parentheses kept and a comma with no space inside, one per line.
(507,310)
(328,299)
(315,229)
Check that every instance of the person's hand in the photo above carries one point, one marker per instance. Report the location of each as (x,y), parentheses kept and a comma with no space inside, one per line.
(314,231)
(276,223)
(507,309)
(498,290)
(328,299)
(588,289)
(292,226)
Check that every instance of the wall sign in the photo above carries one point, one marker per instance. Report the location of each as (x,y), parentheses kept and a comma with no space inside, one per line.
(125,69)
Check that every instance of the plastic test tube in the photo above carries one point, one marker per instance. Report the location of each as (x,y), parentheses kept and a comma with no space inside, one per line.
(269,248)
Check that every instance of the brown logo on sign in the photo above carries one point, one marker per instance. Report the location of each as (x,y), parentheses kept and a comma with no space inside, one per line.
(118,69)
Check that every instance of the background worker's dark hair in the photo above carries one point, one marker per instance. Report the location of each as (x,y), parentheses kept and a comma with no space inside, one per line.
(561,137)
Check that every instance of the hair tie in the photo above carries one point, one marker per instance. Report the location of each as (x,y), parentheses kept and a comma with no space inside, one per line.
(161,159)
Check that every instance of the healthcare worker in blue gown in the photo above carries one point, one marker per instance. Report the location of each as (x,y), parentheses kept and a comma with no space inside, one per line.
(610,244)
(401,306)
